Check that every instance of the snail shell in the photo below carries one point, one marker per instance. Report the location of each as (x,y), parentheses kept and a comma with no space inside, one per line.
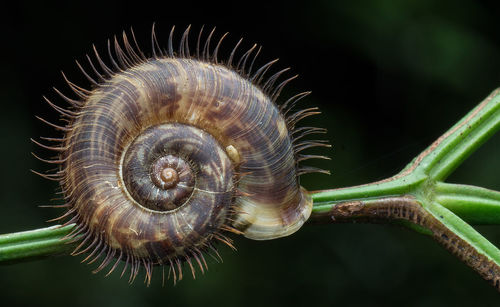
(166,153)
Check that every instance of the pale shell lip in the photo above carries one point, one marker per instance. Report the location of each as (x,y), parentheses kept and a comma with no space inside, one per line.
(266,223)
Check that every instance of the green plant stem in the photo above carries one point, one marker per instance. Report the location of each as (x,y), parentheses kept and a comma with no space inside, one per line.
(416,197)
(475,205)
(437,204)
(34,244)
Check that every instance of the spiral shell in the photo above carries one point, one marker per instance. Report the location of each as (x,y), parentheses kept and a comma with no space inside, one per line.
(166,153)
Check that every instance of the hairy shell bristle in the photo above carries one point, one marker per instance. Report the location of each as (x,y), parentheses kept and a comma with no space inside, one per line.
(124,55)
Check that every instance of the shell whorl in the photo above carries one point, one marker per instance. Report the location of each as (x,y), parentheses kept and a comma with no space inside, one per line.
(165,153)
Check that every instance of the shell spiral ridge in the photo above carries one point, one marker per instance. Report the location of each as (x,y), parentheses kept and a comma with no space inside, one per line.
(167,153)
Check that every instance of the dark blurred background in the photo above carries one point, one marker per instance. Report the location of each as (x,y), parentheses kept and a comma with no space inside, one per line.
(389,76)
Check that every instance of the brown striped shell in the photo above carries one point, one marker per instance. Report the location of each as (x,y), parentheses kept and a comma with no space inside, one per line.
(166,153)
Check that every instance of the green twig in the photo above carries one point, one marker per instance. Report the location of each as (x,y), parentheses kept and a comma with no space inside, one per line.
(475,205)
(34,244)
(435,206)
(416,197)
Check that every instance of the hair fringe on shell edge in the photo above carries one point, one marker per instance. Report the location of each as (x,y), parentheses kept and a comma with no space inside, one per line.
(127,54)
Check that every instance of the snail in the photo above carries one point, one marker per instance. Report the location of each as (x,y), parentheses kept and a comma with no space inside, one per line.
(167,154)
